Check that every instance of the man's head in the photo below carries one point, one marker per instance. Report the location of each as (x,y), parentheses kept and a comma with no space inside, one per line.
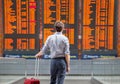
(59,26)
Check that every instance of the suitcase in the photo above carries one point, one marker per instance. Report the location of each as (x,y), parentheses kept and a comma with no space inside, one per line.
(34,80)
(31,81)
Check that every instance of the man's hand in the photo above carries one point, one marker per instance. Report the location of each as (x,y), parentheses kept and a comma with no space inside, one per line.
(39,55)
(68,69)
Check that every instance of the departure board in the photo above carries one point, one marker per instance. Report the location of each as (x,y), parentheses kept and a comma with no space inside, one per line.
(20,26)
(98,25)
(28,23)
(1,29)
(118,26)
(61,10)
(89,25)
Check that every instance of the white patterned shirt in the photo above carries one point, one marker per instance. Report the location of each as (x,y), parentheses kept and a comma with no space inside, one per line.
(58,45)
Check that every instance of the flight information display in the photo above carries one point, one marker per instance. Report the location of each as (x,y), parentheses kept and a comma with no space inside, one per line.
(98,26)
(1,29)
(89,26)
(28,23)
(118,26)
(20,26)
(61,10)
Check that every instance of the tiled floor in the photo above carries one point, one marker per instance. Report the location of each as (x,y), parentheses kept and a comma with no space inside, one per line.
(5,79)
(45,79)
(109,79)
(9,79)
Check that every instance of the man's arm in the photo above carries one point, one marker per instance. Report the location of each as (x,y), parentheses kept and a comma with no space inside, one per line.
(67,54)
(45,47)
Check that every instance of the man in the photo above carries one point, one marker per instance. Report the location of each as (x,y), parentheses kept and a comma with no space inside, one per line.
(59,53)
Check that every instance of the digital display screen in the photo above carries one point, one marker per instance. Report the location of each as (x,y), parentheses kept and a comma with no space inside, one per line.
(98,25)
(28,24)
(59,10)
(89,25)
(118,26)
(20,25)
(1,29)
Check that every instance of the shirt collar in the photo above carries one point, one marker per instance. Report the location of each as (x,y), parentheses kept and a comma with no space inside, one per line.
(58,33)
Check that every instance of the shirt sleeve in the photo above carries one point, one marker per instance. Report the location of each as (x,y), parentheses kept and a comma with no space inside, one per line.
(67,46)
(46,46)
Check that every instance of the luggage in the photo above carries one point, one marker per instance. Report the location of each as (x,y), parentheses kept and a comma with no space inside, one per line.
(31,81)
(34,80)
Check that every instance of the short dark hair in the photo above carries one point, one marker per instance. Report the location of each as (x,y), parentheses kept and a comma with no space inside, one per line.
(59,26)
(58,29)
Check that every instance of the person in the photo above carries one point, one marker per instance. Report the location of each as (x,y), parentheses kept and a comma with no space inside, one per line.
(58,44)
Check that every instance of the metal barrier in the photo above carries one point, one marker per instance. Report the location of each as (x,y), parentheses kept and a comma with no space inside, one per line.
(12,65)
(101,71)
(106,70)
